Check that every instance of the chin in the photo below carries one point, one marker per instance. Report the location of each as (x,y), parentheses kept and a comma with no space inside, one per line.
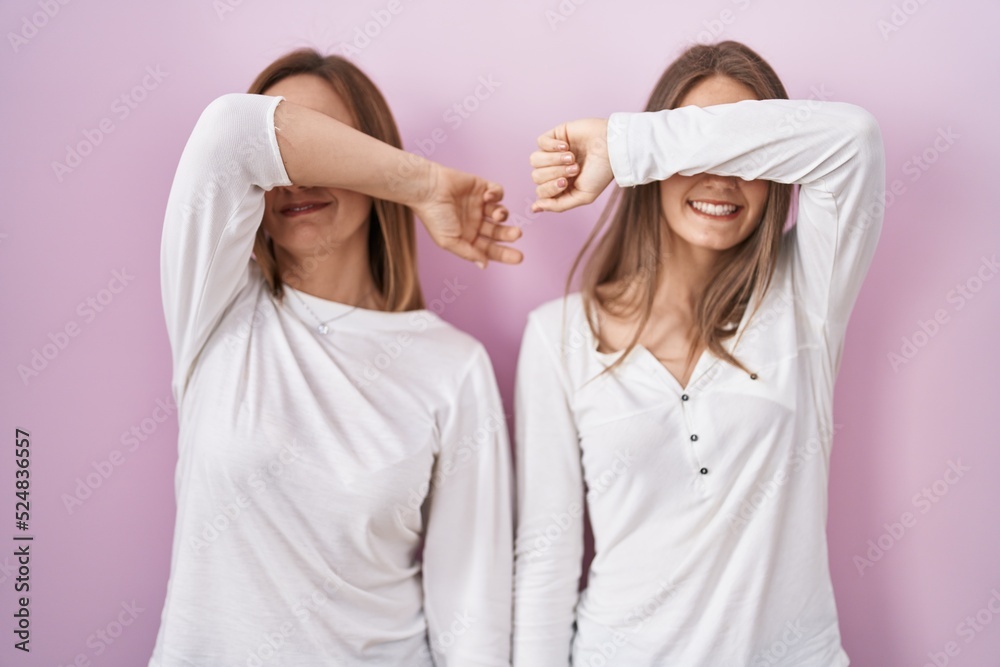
(711,236)
(698,238)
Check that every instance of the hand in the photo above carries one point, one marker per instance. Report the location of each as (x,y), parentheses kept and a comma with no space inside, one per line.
(572,168)
(463,214)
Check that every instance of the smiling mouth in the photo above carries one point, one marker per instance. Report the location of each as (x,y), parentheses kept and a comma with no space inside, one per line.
(303,209)
(714,210)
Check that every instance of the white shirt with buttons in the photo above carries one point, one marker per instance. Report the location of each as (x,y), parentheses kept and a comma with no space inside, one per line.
(708,502)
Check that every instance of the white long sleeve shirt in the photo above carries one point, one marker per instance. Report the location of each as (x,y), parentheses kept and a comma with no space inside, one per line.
(708,502)
(311,466)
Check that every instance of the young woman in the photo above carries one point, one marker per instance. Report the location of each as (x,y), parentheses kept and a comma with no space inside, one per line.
(684,396)
(332,430)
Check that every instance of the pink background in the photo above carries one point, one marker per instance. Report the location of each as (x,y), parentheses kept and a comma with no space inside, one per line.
(60,241)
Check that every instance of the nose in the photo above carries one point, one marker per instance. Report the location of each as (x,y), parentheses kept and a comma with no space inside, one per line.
(721,181)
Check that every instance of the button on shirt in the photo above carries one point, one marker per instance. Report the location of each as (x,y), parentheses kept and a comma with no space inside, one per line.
(708,502)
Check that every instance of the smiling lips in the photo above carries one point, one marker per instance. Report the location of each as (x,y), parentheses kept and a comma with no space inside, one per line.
(303,208)
(715,210)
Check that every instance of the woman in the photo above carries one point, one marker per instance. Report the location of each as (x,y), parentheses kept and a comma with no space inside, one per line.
(684,396)
(329,424)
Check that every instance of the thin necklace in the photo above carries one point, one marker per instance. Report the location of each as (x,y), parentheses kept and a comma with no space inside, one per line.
(323,328)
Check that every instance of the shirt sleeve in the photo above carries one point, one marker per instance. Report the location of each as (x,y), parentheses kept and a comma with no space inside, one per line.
(467,559)
(832,150)
(548,548)
(215,207)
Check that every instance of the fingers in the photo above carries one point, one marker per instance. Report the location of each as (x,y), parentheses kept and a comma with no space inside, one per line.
(546,174)
(495,212)
(467,250)
(551,189)
(498,253)
(551,205)
(494,192)
(561,203)
(554,139)
(503,233)
(551,159)
(504,254)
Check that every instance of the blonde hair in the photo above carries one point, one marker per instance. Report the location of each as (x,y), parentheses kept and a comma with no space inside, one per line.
(622,274)
(392,247)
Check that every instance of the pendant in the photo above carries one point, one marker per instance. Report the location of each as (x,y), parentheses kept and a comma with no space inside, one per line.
(323,329)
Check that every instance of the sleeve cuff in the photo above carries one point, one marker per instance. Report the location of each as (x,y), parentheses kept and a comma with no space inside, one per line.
(280,175)
(621,167)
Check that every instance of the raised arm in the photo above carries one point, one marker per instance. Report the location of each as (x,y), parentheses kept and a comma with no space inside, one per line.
(833,150)
(461,211)
(236,153)
(215,206)
(467,564)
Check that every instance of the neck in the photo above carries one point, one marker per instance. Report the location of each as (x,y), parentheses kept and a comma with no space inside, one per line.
(336,273)
(686,272)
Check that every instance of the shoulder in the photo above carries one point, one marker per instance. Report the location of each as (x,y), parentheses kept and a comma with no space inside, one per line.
(558,333)
(557,320)
(455,353)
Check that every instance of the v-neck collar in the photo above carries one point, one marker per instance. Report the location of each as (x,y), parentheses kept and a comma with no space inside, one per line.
(706,360)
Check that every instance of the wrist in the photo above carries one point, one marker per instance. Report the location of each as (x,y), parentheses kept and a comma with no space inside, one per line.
(619,160)
(416,180)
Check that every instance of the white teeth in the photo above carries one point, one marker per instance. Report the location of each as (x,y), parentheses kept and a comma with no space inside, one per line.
(714,209)
(301,208)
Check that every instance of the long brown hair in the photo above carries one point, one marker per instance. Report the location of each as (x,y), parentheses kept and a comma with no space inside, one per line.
(392,246)
(622,274)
